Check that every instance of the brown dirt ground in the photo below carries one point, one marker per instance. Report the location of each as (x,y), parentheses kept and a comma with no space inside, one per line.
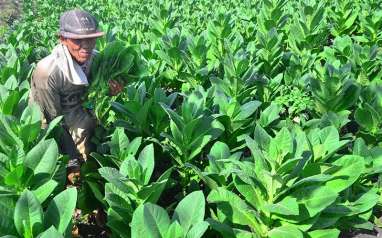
(9,9)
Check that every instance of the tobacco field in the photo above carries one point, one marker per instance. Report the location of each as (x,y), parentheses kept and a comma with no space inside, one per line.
(239,118)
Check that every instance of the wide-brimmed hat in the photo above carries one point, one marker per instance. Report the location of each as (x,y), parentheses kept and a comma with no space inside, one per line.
(79,24)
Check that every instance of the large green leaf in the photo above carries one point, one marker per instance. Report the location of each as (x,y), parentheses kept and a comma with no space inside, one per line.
(113,176)
(174,116)
(364,203)
(285,231)
(134,145)
(103,161)
(281,145)
(17,177)
(224,229)
(219,151)
(207,130)
(146,159)
(287,206)
(43,157)
(198,230)
(329,233)
(247,110)
(364,118)
(31,114)
(254,193)
(43,192)
(9,104)
(7,136)
(7,207)
(205,178)
(60,210)
(233,207)
(349,95)
(262,137)
(30,123)
(269,115)
(28,216)
(350,168)
(315,198)
(190,210)
(119,142)
(50,233)
(149,221)
(368,117)
(152,192)
(175,230)
(118,227)
(121,208)
(132,169)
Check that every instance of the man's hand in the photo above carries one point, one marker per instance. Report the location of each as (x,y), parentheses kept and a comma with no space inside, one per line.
(73,176)
(115,87)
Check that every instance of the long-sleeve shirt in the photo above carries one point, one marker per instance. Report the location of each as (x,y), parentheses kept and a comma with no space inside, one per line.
(52,89)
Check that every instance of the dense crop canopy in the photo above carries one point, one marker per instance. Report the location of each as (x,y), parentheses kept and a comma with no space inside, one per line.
(238,118)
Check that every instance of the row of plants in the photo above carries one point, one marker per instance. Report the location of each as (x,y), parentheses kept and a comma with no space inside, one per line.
(238,119)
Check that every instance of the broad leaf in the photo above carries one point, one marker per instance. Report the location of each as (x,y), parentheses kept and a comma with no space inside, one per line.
(7,207)
(315,198)
(329,233)
(43,192)
(350,168)
(285,231)
(198,230)
(149,221)
(60,210)
(50,233)
(119,142)
(175,230)
(233,207)
(146,159)
(118,180)
(287,206)
(190,210)
(28,215)
(43,157)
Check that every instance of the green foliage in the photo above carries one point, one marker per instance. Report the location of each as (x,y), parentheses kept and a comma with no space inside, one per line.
(116,62)
(271,108)
(191,128)
(336,90)
(140,111)
(30,219)
(129,186)
(284,188)
(151,220)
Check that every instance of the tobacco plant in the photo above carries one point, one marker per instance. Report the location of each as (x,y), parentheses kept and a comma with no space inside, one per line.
(272,108)
(31,220)
(191,128)
(151,220)
(141,112)
(284,187)
(128,180)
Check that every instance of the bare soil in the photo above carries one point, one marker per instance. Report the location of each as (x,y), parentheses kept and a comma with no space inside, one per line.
(9,11)
(376,233)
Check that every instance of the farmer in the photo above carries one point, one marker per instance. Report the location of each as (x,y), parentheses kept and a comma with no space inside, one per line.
(59,83)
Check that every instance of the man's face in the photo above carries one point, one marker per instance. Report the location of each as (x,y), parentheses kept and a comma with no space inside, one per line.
(80,49)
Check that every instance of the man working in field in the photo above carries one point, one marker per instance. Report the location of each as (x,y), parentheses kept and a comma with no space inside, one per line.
(60,81)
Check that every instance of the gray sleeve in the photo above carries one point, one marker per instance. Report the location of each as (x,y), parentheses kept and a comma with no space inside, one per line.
(49,101)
